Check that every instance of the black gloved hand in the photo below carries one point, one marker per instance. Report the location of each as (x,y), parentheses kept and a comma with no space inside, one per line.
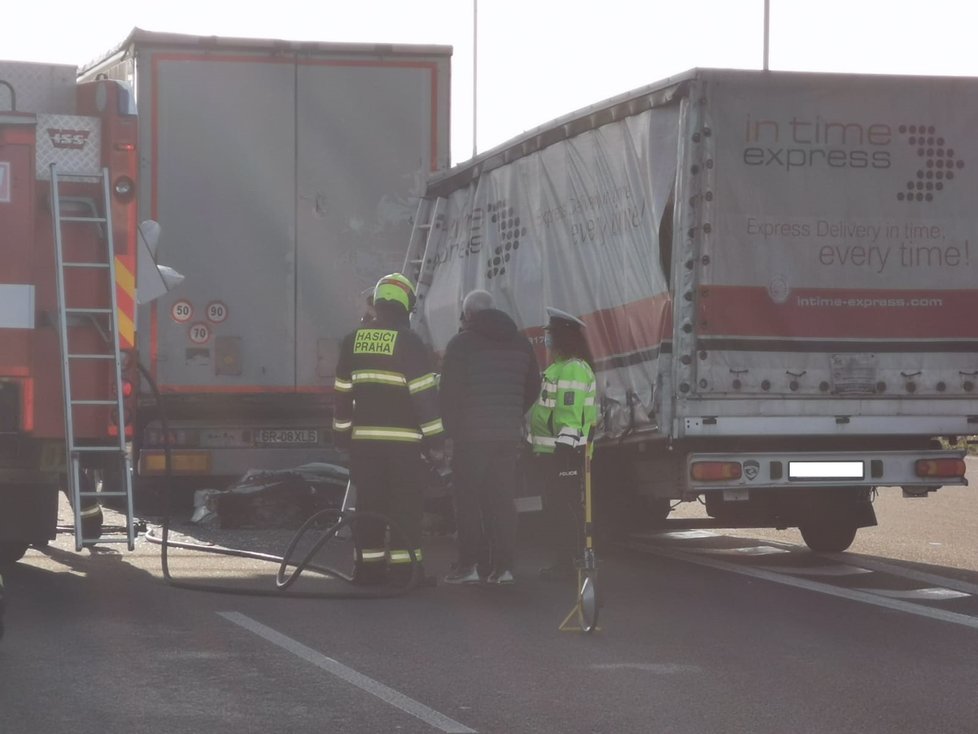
(438,460)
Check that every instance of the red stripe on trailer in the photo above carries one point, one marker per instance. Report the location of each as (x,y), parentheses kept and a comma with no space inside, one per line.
(837,313)
(631,327)
(243,389)
(637,326)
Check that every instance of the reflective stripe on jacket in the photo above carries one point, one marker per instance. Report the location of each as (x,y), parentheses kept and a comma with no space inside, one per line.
(565,411)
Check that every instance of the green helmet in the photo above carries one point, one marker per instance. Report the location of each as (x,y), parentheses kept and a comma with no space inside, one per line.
(396,288)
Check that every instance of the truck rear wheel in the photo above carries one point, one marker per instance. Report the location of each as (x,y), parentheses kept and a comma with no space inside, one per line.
(828,535)
(11,552)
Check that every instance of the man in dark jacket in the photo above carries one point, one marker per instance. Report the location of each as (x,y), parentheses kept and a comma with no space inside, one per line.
(489,379)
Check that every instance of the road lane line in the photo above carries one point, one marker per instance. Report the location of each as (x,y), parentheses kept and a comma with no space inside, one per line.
(685,534)
(907,573)
(932,594)
(365,683)
(659,668)
(840,570)
(778,578)
(750,550)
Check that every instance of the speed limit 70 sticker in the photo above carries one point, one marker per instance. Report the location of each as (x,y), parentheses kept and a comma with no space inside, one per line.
(200,333)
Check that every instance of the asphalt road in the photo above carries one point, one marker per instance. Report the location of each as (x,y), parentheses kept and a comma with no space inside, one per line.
(701,632)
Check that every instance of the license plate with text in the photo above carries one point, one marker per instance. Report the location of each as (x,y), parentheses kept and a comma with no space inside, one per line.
(286,436)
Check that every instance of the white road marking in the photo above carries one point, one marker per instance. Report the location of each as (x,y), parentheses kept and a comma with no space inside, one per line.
(664,668)
(907,573)
(686,534)
(384,693)
(840,570)
(749,550)
(932,594)
(779,578)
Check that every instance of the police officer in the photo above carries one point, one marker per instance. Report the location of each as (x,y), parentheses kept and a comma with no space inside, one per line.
(561,423)
(387,414)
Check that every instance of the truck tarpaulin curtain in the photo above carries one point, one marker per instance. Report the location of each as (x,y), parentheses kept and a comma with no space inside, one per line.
(599,208)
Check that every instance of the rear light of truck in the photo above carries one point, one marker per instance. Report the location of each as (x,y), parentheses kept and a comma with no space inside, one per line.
(715,471)
(940,468)
(27,404)
(182,461)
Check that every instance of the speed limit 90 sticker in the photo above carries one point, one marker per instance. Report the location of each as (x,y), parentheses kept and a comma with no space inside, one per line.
(216,312)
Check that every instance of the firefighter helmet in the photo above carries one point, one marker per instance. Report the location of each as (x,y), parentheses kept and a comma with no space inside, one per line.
(396,288)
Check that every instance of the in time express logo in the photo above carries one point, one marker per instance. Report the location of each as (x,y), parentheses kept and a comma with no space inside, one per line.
(803,143)
(468,237)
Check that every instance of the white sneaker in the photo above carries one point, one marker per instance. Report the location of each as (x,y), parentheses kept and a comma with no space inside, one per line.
(506,577)
(466,575)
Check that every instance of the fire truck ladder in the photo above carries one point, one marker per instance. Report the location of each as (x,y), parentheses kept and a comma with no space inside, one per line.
(426,222)
(105,321)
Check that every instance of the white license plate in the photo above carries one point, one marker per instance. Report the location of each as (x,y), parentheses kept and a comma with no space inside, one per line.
(825,470)
(286,436)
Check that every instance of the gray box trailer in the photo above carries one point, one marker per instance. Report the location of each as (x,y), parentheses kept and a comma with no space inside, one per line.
(776,273)
(285,177)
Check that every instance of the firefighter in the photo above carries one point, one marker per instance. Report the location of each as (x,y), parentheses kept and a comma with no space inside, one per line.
(386,413)
(561,423)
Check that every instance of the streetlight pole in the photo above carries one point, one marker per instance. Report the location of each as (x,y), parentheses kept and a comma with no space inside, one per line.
(475,75)
(767,30)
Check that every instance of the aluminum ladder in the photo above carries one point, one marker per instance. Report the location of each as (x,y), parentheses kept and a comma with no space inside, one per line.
(105,322)
(427,221)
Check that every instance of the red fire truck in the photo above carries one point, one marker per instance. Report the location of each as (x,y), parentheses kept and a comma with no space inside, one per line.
(68,242)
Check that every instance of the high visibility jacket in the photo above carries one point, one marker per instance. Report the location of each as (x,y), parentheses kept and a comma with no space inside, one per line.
(564,412)
(385,389)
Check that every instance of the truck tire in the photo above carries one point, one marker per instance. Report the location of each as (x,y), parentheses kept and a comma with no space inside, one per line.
(11,552)
(828,535)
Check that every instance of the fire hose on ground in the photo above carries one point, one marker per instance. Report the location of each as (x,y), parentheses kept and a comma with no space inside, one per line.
(284,577)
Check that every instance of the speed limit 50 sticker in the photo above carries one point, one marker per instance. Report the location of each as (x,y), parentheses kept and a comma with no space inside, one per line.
(182,311)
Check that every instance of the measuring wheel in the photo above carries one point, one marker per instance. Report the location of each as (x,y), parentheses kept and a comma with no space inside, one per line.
(588,603)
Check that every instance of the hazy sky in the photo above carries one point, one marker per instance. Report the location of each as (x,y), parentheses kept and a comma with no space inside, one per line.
(539,59)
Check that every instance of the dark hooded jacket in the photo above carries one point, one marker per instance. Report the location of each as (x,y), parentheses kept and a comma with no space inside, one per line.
(489,379)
